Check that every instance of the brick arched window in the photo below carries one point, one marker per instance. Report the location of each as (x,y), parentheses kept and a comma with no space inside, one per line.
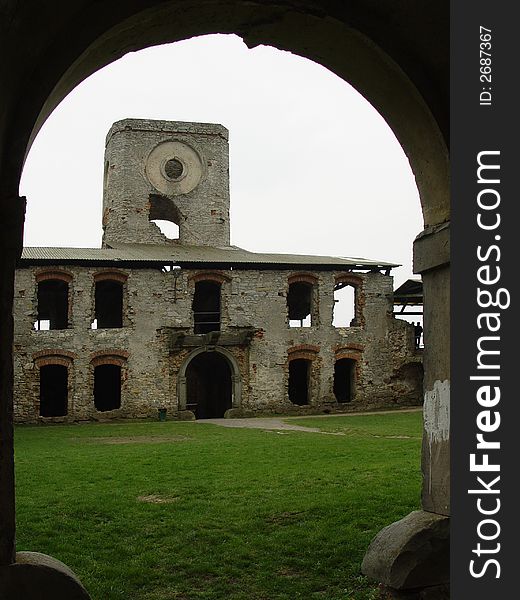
(300,365)
(53,367)
(108,373)
(109,299)
(348,301)
(346,372)
(207,301)
(302,300)
(52,300)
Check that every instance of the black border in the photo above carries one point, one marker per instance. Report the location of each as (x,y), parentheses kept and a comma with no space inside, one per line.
(476,128)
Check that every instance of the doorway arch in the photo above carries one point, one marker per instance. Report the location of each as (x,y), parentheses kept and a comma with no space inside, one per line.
(208,386)
(394,54)
(204,373)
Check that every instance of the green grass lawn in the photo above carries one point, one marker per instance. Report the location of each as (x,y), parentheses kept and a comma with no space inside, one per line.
(185,511)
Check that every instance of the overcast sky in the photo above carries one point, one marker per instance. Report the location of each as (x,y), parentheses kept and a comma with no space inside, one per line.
(314,168)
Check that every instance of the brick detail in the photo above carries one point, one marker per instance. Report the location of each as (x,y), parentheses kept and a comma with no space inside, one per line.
(209,276)
(352,346)
(54,274)
(302,278)
(352,355)
(53,357)
(111,276)
(306,351)
(109,357)
(349,279)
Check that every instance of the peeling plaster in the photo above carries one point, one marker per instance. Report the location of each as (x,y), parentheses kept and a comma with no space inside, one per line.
(436,418)
(437,412)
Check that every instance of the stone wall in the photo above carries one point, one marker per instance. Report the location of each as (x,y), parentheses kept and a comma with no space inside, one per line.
(157,303)
(138,186)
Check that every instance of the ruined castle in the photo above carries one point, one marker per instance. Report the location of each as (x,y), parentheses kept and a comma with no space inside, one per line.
(195,327)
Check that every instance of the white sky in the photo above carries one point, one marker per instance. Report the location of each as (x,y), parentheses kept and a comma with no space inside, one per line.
(314,168)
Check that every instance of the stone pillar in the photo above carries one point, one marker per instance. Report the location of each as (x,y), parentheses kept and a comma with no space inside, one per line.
(411,557)
(12,211)
(26,575)
(431,260)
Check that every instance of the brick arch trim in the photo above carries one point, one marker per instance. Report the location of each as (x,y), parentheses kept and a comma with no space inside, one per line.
(302,278)
(118,276)
(214,276)
(351,355)
(109,357)
(305,351)
(236,380)
(53,357)
(352,347)
(47,275)
(349,279)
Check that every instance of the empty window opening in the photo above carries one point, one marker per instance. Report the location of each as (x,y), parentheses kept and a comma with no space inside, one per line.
(299,372)
(53,391)
(53,305)
(206,307)
(208,383)
(163,211)
(344,305)
(108,304)
(107,387)
(168,229)
(299,304)
(173,168)
(344,371)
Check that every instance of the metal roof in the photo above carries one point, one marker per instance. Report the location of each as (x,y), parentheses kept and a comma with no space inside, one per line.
(195,256)
(410,292)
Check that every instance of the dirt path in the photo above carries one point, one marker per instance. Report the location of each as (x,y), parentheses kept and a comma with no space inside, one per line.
(281,424)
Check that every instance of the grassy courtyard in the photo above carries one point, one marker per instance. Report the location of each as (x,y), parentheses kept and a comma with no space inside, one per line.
(188,511)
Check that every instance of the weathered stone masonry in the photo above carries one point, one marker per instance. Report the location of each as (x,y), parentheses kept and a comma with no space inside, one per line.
(186,323)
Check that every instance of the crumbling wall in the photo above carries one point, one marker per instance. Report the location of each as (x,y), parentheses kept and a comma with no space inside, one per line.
(158,302)
(139,185)
(134,346)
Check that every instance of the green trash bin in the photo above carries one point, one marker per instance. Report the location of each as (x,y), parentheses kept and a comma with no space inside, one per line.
(162,414)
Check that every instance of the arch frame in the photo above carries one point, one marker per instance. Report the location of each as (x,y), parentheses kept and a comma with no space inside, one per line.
(48,62)
(236,379)
(53,274)
(110,356)
(213,276)
(110,275)
(54,357)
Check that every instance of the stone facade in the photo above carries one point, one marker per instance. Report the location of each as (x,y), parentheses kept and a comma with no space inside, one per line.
(179,172)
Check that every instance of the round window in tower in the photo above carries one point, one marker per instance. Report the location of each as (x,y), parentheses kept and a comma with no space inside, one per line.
(173,169)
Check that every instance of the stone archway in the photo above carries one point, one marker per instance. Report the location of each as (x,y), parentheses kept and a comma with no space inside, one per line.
(395,54)
(208,386)
(229,385)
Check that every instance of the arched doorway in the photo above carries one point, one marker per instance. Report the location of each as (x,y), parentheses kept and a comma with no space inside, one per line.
(208,386)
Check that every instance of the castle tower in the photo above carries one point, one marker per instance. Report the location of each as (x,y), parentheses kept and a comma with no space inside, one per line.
(166,170)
